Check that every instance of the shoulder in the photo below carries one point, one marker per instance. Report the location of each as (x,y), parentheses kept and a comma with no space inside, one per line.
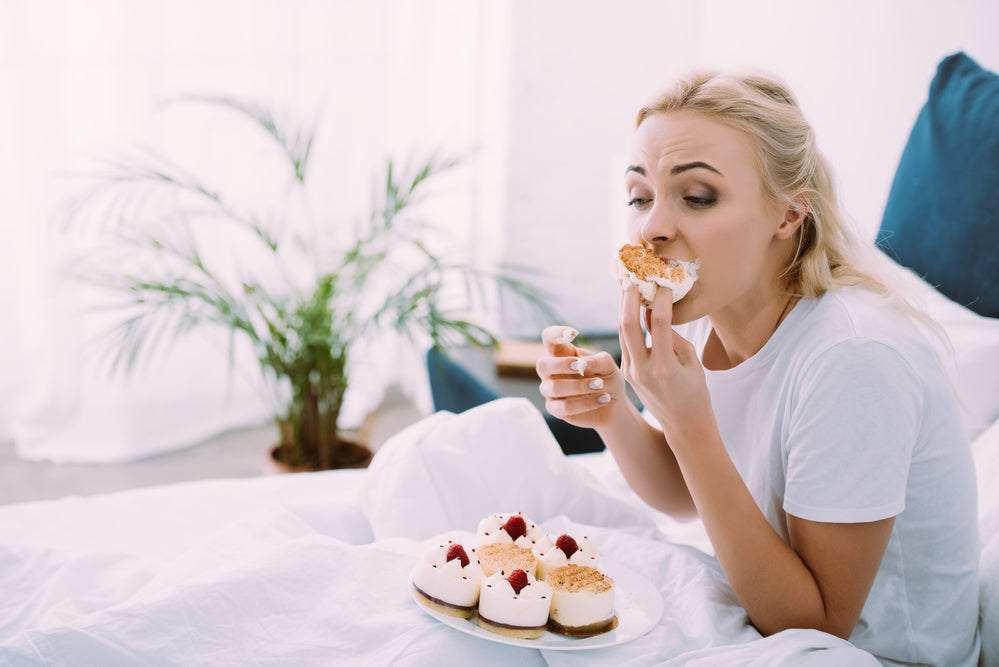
(857,327)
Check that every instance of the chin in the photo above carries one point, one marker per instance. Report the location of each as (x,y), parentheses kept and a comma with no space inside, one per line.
(685,310)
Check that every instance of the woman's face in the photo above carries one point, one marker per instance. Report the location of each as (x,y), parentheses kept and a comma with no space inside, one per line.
(695,193)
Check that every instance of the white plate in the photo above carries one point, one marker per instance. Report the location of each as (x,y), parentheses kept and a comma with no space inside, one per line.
(637,604)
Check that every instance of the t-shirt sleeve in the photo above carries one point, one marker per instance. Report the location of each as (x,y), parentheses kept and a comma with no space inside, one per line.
(852,433)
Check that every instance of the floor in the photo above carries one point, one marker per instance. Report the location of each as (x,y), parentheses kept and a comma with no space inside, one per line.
(240,453)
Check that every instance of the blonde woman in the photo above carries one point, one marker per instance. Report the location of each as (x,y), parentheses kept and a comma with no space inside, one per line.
(802,415)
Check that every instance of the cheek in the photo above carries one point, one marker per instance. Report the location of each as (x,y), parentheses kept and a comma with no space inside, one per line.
(733,256)
(634,231)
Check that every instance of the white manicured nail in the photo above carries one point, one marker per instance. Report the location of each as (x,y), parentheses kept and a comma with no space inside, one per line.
(579,365)
(596,383)
(603,398)
(568,335)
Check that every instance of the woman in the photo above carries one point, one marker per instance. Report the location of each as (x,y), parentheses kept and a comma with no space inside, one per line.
(801,417)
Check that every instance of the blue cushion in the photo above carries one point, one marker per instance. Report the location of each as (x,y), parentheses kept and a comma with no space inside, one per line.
(942,215)
(452,387)
(455,389)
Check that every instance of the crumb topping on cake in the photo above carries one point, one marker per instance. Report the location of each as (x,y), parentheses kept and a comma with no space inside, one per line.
(641,266)
(646,265)
(576,578)
(500,556)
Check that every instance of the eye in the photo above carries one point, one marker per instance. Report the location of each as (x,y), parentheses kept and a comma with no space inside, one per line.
(639,202)
(700,202)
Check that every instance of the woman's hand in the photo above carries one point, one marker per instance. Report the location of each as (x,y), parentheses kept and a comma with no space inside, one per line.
(580,387)
(667,376)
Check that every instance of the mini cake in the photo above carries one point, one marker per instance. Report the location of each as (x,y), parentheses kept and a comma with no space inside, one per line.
(563,551)
(505,557)
(582,601)
(514,605)
(650,272)
(447,580)
(509,528)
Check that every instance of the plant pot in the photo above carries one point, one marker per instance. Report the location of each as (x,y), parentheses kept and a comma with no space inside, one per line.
(352,455)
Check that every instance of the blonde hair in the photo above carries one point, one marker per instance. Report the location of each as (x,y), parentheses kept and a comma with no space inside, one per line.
(794,172)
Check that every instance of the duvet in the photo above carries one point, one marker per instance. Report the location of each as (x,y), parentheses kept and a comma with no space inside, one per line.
(312,569)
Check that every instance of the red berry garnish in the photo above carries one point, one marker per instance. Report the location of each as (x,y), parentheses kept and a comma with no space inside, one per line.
(457,551)
(567,545)
(517,580)
(515,527)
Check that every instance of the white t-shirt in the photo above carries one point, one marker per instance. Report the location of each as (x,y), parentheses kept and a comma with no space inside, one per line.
(846,416)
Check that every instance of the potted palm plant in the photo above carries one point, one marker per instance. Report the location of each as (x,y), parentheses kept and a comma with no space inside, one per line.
(314,289)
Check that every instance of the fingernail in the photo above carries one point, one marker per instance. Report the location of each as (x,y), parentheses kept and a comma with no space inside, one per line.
(603,398)
(568,335)
(596,383)
(579,365)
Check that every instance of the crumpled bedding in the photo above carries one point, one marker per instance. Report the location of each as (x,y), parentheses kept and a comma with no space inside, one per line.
(312,569)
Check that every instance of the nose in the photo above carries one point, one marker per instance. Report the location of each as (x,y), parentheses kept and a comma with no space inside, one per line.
(658,226)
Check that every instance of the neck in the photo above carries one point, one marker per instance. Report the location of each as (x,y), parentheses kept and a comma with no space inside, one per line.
(740,331)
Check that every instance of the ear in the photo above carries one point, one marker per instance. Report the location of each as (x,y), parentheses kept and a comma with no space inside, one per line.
(789,224)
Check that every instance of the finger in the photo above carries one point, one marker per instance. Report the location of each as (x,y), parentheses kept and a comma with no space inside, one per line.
(564,408)
(558,341)
(629,322)
(684,350)
(599,364)
(661,323)
(562,366)
(557,388)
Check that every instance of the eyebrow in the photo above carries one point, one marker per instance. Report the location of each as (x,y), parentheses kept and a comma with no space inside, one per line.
(678,169)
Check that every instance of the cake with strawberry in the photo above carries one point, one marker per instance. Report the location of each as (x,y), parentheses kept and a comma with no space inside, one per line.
(564,550)
(582,602)
(506,542)
(514,605)
(447,580)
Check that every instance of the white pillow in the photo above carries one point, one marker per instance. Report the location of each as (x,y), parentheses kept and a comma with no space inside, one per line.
(449,471)
(973,360)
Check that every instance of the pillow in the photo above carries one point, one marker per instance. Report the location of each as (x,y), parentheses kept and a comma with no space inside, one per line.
(452,387)
(448,471)
(972,358)
(987,467)
(941,218)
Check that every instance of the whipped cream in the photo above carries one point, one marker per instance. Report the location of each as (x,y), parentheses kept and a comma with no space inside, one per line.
(447,580)
(550,556)
(491,530)
(498,602)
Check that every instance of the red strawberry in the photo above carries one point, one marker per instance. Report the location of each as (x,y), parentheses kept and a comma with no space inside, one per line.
(515,527)
(457,551)
(567,545)
(517,580)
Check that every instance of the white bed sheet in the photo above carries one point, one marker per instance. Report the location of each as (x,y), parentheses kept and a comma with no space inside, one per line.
(312,569)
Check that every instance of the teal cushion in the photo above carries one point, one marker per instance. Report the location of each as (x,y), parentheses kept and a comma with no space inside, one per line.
(455,389)
(942,215)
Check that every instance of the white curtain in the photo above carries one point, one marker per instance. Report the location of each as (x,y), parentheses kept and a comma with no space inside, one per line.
(86,79)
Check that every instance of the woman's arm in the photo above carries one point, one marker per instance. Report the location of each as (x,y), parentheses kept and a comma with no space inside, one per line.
(647,462)
(822,579)
(596,399)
